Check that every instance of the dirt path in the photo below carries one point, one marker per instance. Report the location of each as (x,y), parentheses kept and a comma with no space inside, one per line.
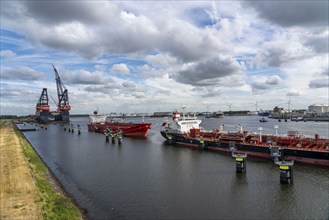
(18,195)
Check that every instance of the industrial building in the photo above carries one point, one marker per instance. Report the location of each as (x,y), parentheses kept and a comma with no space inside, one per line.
(318,108)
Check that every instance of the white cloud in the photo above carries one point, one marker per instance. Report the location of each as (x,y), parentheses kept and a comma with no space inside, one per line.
(120,68)
(318,43)
(117,32)
(21,73)
(85,77)
(128,85)
(273,80)
(319,83)
(263,83)
(278,53)
(210,72)
(168,53)
(161,59)
(7,54)
(306,13)
(294,92)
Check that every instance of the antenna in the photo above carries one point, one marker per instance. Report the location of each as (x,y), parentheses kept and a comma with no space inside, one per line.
(229,106)
(289,103)
(183,107)
(257,106)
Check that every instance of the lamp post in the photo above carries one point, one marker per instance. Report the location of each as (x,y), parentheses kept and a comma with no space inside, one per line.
(260,134)
(276,129)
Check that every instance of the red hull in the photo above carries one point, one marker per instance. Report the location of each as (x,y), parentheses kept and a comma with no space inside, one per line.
(310,161)
(128,129)
(304,160)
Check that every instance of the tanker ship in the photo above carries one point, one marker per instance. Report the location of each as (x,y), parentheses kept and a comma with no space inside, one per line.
(102,122)
(186,131)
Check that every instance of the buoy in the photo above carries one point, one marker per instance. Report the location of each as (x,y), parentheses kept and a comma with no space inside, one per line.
(107,137)
(64,127)
(240,162)
(79,132)
(113,138)
(201,144)
(170,140)
(286,171)
(119,139)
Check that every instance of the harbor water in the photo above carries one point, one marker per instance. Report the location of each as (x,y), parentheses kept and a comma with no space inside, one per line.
(145,179)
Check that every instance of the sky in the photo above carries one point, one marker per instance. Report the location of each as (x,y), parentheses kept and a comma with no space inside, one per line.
(148,56)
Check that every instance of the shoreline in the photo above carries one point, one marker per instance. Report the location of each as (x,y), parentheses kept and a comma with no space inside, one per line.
(52,199)
(57,186)
(60,189)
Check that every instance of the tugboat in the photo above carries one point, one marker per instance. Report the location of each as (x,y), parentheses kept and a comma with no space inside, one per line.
(186,131)
(101,122)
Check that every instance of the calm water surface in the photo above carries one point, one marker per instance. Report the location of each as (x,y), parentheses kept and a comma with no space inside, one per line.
(145,179)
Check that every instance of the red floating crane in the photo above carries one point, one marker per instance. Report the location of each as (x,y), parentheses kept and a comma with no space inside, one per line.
(42,107)
(63,106)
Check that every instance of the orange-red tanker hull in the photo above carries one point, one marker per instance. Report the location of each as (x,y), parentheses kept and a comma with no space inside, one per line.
(128,128)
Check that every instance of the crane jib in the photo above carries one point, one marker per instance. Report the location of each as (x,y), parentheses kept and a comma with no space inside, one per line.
(62,93)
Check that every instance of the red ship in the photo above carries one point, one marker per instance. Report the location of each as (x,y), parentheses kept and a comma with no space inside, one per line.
(294,146)
(101,122)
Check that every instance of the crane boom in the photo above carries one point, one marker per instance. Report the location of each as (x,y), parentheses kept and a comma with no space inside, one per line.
(60,86)
(62,93)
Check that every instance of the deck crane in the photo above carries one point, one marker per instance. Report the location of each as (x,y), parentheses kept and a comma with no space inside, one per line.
(63,106)
(42,107)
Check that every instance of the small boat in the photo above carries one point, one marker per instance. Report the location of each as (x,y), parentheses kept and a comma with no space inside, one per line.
(102,122)
(185,131)
(263,120)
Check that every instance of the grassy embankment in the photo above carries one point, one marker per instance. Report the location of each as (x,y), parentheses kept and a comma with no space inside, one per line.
(26,191)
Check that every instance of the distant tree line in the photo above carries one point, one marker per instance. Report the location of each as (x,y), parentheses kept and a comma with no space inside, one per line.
(8,116)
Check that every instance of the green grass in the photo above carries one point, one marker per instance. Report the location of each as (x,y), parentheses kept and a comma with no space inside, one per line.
(53,204)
